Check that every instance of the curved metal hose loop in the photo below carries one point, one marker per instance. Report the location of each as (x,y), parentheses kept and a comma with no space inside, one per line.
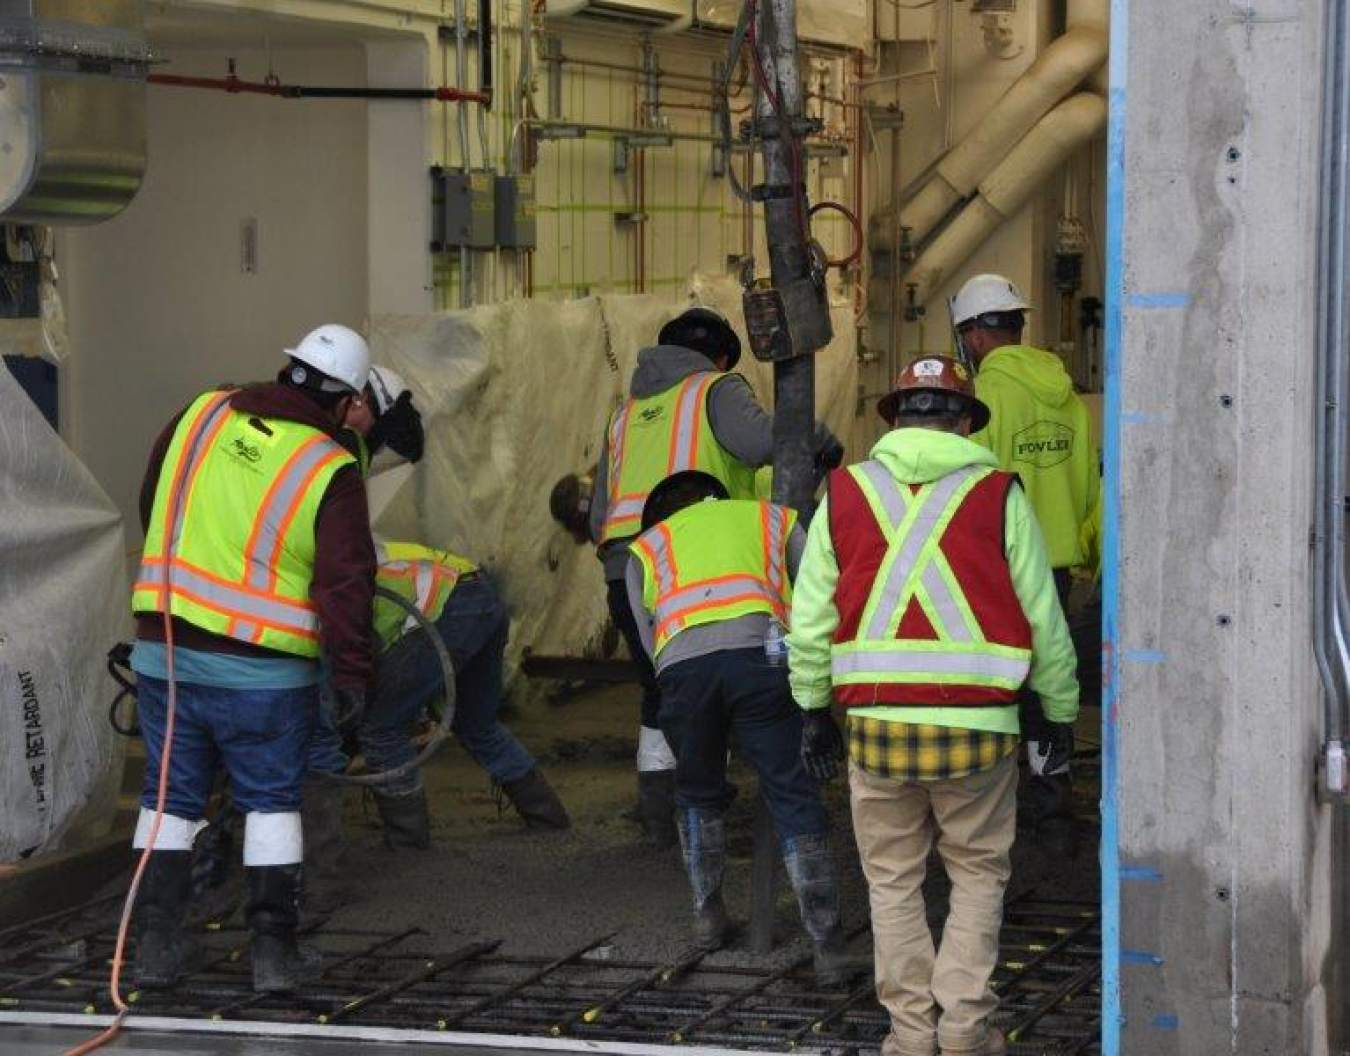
(442,732)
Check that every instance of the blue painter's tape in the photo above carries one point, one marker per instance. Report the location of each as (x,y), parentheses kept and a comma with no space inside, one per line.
(1145,656)
(1165,1022)
(1139,872)
(1140,418)
(1158,300)
(1140,957)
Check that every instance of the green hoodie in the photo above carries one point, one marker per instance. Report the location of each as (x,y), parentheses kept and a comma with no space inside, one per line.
(1041,430)
(917,456)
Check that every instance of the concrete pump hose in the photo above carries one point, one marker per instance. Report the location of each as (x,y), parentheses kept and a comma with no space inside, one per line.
(442,732)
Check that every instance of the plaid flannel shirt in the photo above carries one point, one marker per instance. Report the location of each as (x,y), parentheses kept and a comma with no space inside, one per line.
(907,751)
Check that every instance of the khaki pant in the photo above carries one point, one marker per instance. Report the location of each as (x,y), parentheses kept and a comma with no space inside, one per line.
(943,997)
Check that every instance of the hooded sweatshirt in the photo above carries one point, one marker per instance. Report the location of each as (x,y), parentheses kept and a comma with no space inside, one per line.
(920,456)
(1041,430)
(738,423)
(343,582)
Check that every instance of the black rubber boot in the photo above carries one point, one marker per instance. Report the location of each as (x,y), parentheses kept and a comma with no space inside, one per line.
(656,808)
(536,802)
(217,886)
(810,868)
(703,841)
(280,964)
(1050,800)
(163,953)
(326,887)
(407,821)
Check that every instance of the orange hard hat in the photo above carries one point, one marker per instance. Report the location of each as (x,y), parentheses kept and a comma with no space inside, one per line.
(936,374)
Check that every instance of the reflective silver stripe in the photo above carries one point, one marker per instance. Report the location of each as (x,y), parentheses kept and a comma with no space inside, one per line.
(777,523)
(674,606)
(885,664)
(618,433)
(195,453)
(234,602)
(893,497)
(245,631)
(953,619)
(626,508)
(934,499)
(260,561)
(685,433)
(658,546)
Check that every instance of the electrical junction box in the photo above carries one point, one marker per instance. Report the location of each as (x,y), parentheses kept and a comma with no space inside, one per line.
(515,212)
(464,209)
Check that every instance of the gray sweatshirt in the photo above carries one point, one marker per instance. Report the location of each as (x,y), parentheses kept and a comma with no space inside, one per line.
(738,423)
(740,632)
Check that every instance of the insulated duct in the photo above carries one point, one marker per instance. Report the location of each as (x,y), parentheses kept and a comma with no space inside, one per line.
(1004,191)
(1058,70)
(72,107)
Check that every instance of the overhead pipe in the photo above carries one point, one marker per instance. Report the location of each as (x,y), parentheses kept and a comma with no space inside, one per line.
(1055,73)
(1095,14)
(1005,190)
(237,86)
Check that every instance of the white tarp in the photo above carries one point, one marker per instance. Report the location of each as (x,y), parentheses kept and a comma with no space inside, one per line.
(517,394)
(62,605)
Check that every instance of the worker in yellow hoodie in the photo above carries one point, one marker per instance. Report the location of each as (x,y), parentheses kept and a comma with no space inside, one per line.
(1040,430)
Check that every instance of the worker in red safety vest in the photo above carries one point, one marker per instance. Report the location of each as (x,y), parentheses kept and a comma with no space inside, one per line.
(924,603)
(685,411)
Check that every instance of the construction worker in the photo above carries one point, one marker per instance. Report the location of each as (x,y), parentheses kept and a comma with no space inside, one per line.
(257,556)
(1040,430)
(924,602)
(684,412)
(471,619)
(709,582)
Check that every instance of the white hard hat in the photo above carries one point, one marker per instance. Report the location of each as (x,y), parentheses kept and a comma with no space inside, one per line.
(984,294)
(337,352)
(388,386)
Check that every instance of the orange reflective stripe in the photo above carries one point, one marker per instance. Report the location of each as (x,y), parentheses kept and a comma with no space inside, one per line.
(618,437)
(192,454)
(708,594)
(687,429)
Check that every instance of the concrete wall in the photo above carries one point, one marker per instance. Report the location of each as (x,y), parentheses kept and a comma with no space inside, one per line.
(158,304)
(1225,889)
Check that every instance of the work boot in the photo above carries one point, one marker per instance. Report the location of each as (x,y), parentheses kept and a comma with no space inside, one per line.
(326,887)
(994,1044)
(1050,798)
(656,808)
(280,964)
(703,840)
(810,868)
(536,802)
(163,953)
(217,884)
(407,823)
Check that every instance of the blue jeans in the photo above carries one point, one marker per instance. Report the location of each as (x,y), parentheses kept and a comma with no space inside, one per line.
(703,701)
(474,627)
(260,736)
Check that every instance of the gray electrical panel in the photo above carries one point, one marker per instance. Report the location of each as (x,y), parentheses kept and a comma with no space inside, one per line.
(515,212)
(464,209)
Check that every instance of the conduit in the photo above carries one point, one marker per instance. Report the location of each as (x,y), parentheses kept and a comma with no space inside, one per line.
(1049,143)
(1058,70)
(238,86)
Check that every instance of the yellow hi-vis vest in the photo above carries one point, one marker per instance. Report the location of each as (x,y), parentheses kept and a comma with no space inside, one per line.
(423,575)
(714,561)
(242,530)
(658,436)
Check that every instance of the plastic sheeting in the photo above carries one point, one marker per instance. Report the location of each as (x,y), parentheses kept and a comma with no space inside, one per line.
(62,603)
(514,396)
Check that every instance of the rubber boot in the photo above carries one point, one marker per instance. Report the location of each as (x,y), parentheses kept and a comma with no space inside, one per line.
(217,885)
(995,1044)
(1050,798)
(656,808)
(280,964)
(407,822)
(536,802)
(810,868)
(703,841)
(163,953)
(326,887)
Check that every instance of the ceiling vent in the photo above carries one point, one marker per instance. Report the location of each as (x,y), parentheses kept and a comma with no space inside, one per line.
(662,15)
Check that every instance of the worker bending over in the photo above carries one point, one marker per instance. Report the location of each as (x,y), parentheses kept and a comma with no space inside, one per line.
(709,582)
(1040,430)
(257,542)
(925,601)
(684,412)
(470,617)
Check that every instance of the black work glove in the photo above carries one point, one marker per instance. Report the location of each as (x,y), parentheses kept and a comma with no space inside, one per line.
(1057,748)
(349,707)
(822,744)
(830,456)
(399,429)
